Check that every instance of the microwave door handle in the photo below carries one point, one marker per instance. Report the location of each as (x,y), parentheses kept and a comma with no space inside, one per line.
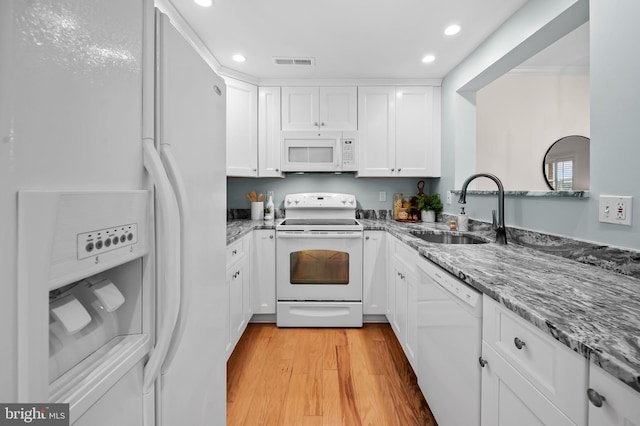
(308,236)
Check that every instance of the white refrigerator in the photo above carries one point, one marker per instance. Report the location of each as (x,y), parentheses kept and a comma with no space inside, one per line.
(112,200)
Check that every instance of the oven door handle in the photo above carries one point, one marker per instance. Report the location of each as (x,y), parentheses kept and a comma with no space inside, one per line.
(311,236)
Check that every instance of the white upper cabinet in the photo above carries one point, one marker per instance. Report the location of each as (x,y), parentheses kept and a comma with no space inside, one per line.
(377,133)
(399,132)
(418,131)
(319,108)
(242,128)
(269,154)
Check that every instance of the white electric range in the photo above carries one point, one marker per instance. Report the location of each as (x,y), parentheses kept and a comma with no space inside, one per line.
(319,262)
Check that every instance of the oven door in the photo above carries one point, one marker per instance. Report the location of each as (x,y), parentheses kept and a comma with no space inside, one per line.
(319,265)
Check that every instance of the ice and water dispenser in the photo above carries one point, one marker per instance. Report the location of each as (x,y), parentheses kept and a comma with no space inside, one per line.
(83,290)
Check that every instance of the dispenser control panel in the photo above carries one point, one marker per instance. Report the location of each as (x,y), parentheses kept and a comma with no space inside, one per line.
(101,241)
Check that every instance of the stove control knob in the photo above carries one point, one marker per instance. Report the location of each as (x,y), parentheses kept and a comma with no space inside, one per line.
(297,200)
(344,200)
(351,200)
(289,201)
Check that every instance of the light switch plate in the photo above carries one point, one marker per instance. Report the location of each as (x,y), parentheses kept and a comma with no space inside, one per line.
(615,209)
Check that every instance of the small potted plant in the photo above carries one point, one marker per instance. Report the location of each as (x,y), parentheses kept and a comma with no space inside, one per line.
(429,205)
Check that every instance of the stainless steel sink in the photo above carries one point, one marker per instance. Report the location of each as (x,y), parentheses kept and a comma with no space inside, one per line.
(448,238)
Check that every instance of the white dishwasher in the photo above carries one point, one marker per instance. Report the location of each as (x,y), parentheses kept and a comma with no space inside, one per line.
(449,346)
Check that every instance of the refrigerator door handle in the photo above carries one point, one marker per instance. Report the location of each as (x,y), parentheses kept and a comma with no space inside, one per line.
(169,276)
(180,191)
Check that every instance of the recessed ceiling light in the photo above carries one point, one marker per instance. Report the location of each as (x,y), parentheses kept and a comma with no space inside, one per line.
(452,29)
(429,58)
(239,58)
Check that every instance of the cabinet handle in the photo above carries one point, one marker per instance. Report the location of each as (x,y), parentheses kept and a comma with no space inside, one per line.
(399,170)
(271,237)
(392,169)
(277,170)
(595,398)
(315,124)
(366,238)
(483,362)
(519,343)
(322,124)
(255,170)
(234,252)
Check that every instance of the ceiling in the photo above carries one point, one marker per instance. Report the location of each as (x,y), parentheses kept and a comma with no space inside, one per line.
(349,39)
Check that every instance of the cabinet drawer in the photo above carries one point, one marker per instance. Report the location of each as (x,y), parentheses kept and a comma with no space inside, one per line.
(407,256)
(236,251)
(554,369)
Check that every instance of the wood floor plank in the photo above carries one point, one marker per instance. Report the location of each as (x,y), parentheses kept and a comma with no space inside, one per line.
(313,388)
(350,413)
(293,413)
(241,384)
(362,383)
(331,407)
(348,377)
(268,401)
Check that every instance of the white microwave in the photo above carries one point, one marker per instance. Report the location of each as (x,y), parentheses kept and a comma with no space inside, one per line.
(319,151)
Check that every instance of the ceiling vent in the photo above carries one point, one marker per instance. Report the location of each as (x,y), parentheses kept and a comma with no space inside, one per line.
(294,61)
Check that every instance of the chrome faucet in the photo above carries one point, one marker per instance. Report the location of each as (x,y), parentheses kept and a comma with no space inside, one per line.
(501,232)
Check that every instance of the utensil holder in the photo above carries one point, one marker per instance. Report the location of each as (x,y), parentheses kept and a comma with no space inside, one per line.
(257,210)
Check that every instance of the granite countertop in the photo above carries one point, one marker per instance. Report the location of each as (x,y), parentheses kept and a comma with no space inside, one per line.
(593,311)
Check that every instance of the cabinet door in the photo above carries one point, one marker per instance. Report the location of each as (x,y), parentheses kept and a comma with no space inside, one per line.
(509,399)
(418,131)
(269,153)
(377,131)
(411,346)
(391,283)
(242,128)
(338,108)
(300,108)
(401,303)
(621,405)
(236,320)
(374,297)
(264,271)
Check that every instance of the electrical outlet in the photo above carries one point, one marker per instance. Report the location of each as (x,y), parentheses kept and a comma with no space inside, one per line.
(615,209)
(382,196)
(449,196)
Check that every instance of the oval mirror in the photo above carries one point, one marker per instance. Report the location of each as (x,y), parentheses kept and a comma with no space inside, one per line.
(566,164)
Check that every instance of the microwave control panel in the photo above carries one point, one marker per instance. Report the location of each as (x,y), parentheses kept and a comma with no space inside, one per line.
(348,154)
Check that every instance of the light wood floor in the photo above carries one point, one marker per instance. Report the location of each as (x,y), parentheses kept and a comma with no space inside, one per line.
(332,376)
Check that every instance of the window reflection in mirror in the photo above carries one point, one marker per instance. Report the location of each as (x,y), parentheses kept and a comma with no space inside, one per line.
(521,113)
(566,164)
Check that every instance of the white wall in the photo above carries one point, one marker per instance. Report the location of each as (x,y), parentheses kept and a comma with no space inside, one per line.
(519,116)
(615,127)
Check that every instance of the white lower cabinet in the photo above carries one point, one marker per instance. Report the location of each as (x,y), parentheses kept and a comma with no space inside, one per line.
(612,403)
(529,378)
(264,271)
(510,399)
(238,279)
(374,292)
(402,290)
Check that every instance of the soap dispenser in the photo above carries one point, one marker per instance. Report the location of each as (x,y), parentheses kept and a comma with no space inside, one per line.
(269,210)
(463,221)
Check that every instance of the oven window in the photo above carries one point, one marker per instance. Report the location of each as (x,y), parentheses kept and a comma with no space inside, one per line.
(319,267)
